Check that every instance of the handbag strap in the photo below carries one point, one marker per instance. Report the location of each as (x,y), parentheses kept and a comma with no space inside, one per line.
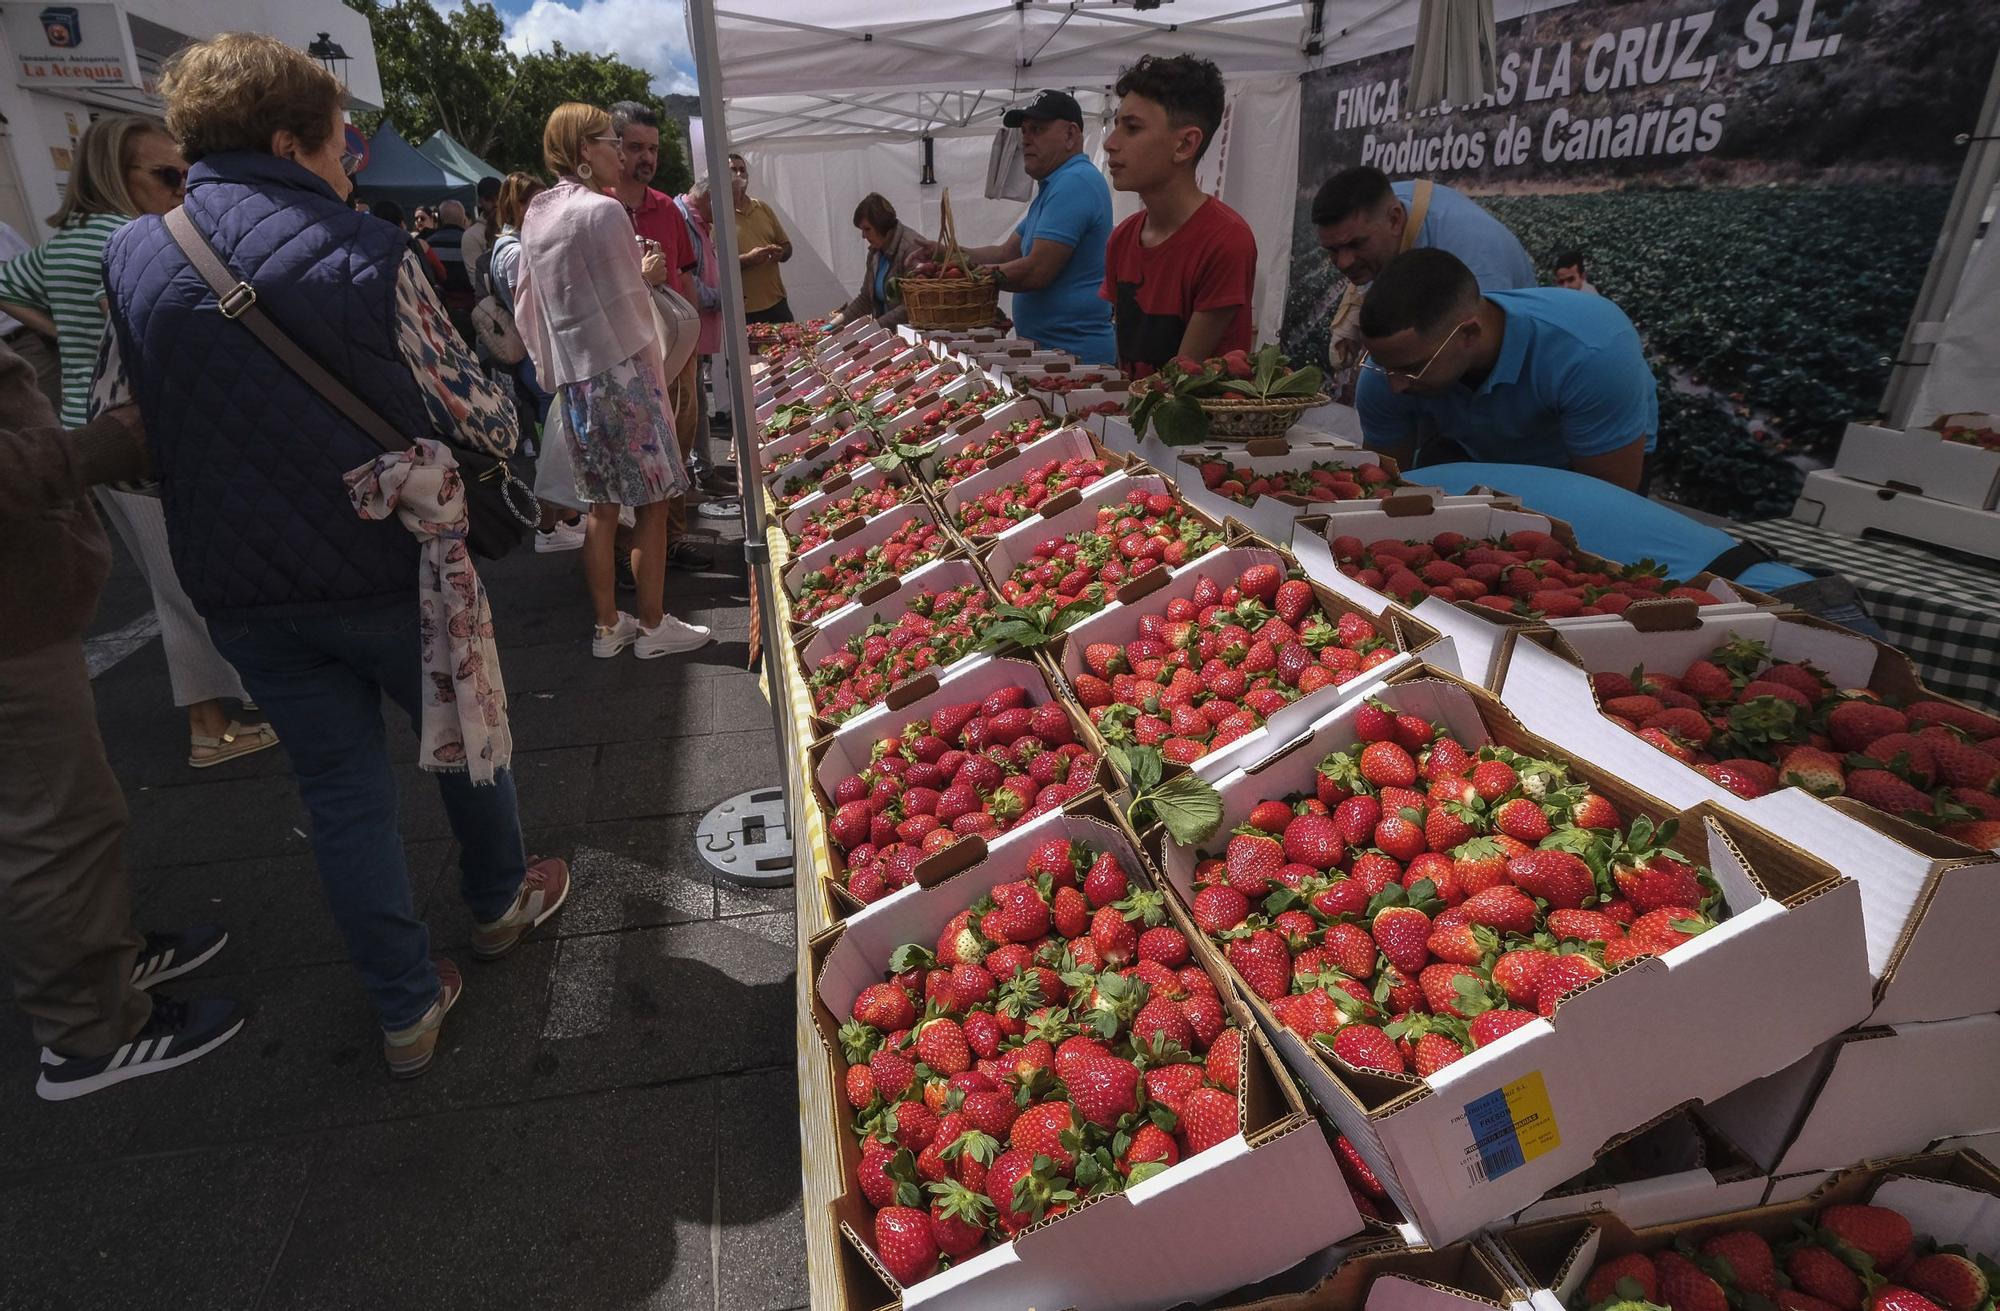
(238,301)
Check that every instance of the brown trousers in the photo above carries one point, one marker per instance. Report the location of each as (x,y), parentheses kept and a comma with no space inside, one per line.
(66,936)
(685,394)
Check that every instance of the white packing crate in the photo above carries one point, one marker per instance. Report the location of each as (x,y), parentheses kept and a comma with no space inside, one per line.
(1013,548)
(1007,468)
(1920,460)
(1843,505)
(1273,516)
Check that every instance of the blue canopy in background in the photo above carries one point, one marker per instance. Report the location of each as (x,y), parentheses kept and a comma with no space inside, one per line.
(397,171)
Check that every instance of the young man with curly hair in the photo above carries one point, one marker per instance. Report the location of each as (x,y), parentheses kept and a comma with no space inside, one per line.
(1180,274)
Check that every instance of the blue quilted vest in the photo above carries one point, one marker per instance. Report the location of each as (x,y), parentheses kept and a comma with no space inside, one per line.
(249,457)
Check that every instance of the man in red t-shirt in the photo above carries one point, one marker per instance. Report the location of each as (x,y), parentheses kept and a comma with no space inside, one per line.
(1180,274)
(656,218)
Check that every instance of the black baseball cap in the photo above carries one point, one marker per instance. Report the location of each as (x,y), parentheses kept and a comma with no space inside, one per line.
(1047,108)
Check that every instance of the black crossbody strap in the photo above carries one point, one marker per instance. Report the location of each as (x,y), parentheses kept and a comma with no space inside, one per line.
(238,300)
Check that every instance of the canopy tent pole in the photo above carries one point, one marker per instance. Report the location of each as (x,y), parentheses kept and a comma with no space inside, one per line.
(736,348)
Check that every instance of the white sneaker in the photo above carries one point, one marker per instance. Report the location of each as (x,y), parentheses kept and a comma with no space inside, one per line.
(668,637)
(608,642)
(562,537)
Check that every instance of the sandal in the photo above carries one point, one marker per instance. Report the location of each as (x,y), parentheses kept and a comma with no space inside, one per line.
(236,740)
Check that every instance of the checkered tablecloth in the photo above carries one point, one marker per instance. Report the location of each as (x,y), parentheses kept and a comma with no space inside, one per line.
(1941,611)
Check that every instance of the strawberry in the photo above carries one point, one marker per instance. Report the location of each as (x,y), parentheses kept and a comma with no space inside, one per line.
(893,1072)
(1503,908)
(1400,837)
(1662,880)
(1105,881)
(1750,1265)
(1685,1286)
(1020,1193)
(905,1243)
(1105,1089)
(1150,1145)
(1557,877)
(885,1006)
(1314,841)
(1490,1026)
(1217,909)
(1208,1116)
(1293,600)
(1584,926)
(1116,938)
(1818,772)
(1264,961)
(1954,1282)
(1854,724)
(1261,581)
(1366,1047)
(1563,975)
(1522,820)
(1664,929)
(1453,990)
(1402,933)
(1892,1297)
(1164,944)
(1251,860)
(941,1045)
(1817,1272)
(1635,1266)
(1387,764)
(1880,1234)
(1791,1299)
(1886,792)
(1518,973)
(959,1217)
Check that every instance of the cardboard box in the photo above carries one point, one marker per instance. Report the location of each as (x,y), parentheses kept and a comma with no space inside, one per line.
(1554,1092)
(1115,430)
(1392,1277)
(1676,1169)
(1275,517)
(1858,509)
(884,603)
(1927,900)
(1920,460)
(1477,631)
(969,433)
(858,533)
(809,472)
(1010,467)
(1954,1198)
(866,478)
(1155,1244)
(823,430)
(848,750)
(1004,554)
(1869,1094)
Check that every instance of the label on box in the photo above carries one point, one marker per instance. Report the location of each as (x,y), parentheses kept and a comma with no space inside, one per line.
(1506,1129)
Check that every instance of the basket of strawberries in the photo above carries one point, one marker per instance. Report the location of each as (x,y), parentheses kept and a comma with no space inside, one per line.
(1232,397)
(950,291)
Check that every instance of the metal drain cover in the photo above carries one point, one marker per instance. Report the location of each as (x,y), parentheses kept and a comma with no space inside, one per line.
(748,838)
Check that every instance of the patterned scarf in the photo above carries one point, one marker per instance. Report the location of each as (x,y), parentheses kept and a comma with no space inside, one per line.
(465,705)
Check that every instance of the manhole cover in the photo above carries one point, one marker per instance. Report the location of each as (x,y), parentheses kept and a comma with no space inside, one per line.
(727,508)
(748,838)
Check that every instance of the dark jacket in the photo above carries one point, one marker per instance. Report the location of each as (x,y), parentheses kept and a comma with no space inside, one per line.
(249,458)
(905,249)
(54,546)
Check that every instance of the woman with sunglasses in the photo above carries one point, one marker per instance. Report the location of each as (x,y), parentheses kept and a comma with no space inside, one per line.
(125,166)
(583,304)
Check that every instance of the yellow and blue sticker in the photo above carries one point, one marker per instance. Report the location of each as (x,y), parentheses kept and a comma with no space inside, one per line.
(1511,1126)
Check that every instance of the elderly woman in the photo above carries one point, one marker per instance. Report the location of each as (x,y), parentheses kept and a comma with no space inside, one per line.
(264,482)
(892,248)
(124,167)
(583,303)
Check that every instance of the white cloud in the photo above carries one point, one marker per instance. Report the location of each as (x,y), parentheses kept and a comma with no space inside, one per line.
(651,34)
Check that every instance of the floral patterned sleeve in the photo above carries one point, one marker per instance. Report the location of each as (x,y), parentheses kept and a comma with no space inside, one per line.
(466,407)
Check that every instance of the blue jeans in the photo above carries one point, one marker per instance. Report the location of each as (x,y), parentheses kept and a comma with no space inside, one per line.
(321,680)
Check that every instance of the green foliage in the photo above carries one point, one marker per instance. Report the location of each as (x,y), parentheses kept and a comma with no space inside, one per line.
(454,72)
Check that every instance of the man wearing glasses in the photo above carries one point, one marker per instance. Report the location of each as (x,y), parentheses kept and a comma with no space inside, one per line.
(1535,376)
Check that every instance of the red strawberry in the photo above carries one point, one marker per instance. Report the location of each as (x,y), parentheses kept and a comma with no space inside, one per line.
(1662,880)
(1387,764)
(905,1243)
(1314,840)
(941,1045)
(1563,975)
(885,1006)
(1519,972)
(1952,1281)
(1893,1297)
(1264,961)
(1685,1286)
(1116,938)
(1251,860)
(1225,1057)
(1105,1089)
(1454,990)
(1752,1267)
(1880,1234)
(1293,600)
(1366,1047)
(1150,1145)
(1557,877)
(1261,581)
(1854,724)
(1208,1116)
(1817,1272)
(1490,1026)
(1402,932)
(1503,908)
(1522,820)
(1217,908)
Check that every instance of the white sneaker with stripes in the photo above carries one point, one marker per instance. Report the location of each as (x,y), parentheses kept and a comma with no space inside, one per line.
(170,955)
(178,1032)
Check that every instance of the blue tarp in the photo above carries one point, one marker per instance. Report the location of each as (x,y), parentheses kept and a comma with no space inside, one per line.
(446,151)
(397,171)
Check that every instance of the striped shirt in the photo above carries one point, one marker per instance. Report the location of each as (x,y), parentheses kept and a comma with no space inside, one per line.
(64,279)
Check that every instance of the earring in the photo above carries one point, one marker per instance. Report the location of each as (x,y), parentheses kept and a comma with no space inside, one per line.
(583,171)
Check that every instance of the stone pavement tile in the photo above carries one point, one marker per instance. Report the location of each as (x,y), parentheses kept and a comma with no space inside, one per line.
(597,1201)
(658,1004)
(272,906)
(311,1057)
(626,874)
(569,667)
(636,779)
(218,819)
(194,1230)
(762,1260)
(155,755)
(568,716)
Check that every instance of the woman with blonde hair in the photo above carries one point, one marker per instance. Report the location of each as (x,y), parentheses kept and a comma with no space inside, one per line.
(583,303)
(125,166)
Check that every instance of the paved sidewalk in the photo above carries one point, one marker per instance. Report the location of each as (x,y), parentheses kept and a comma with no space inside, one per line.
(612,1120)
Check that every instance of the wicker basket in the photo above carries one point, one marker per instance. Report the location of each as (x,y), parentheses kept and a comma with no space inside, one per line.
(1231,418)
(941,304)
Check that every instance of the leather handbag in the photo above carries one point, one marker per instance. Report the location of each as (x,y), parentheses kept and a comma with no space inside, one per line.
(679,326)
(500,508)
(498,336)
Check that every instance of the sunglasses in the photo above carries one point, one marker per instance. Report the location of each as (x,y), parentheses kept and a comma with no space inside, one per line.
(1368,359)
(173,179)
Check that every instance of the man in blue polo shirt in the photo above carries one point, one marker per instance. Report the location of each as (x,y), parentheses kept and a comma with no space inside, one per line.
(1538,376)
(1054,261)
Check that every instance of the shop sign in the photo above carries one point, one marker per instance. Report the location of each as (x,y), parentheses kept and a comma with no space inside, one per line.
(82,44)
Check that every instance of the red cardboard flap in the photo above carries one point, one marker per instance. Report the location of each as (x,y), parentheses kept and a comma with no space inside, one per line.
(1666,615)
(1408,505)
(847,528)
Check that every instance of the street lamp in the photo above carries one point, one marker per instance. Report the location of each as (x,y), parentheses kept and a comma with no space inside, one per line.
(328,52)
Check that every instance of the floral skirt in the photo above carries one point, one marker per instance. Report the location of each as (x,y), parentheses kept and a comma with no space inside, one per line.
(617,429)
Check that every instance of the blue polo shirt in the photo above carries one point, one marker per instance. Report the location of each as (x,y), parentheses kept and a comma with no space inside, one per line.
(1571,381)
(1456,223)
(1072,206)
(1610,521)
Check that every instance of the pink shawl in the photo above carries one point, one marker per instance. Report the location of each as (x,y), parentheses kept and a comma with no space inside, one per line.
(581,304)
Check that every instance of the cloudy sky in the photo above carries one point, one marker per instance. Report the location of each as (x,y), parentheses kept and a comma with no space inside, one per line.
(649,33)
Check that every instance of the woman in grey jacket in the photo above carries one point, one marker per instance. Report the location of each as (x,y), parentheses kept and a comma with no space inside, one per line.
(892,248)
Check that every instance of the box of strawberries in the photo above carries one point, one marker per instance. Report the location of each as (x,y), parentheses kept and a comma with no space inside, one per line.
(1391,1277)
(1269,485)
(1487,959)
(1050,1100)
(1475,571)
(1023,482)
(1955,459)
(856,658)
(1821,735)
(1912,1234)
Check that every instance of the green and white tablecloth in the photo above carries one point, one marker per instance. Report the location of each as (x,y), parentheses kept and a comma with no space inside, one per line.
(1939,609)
